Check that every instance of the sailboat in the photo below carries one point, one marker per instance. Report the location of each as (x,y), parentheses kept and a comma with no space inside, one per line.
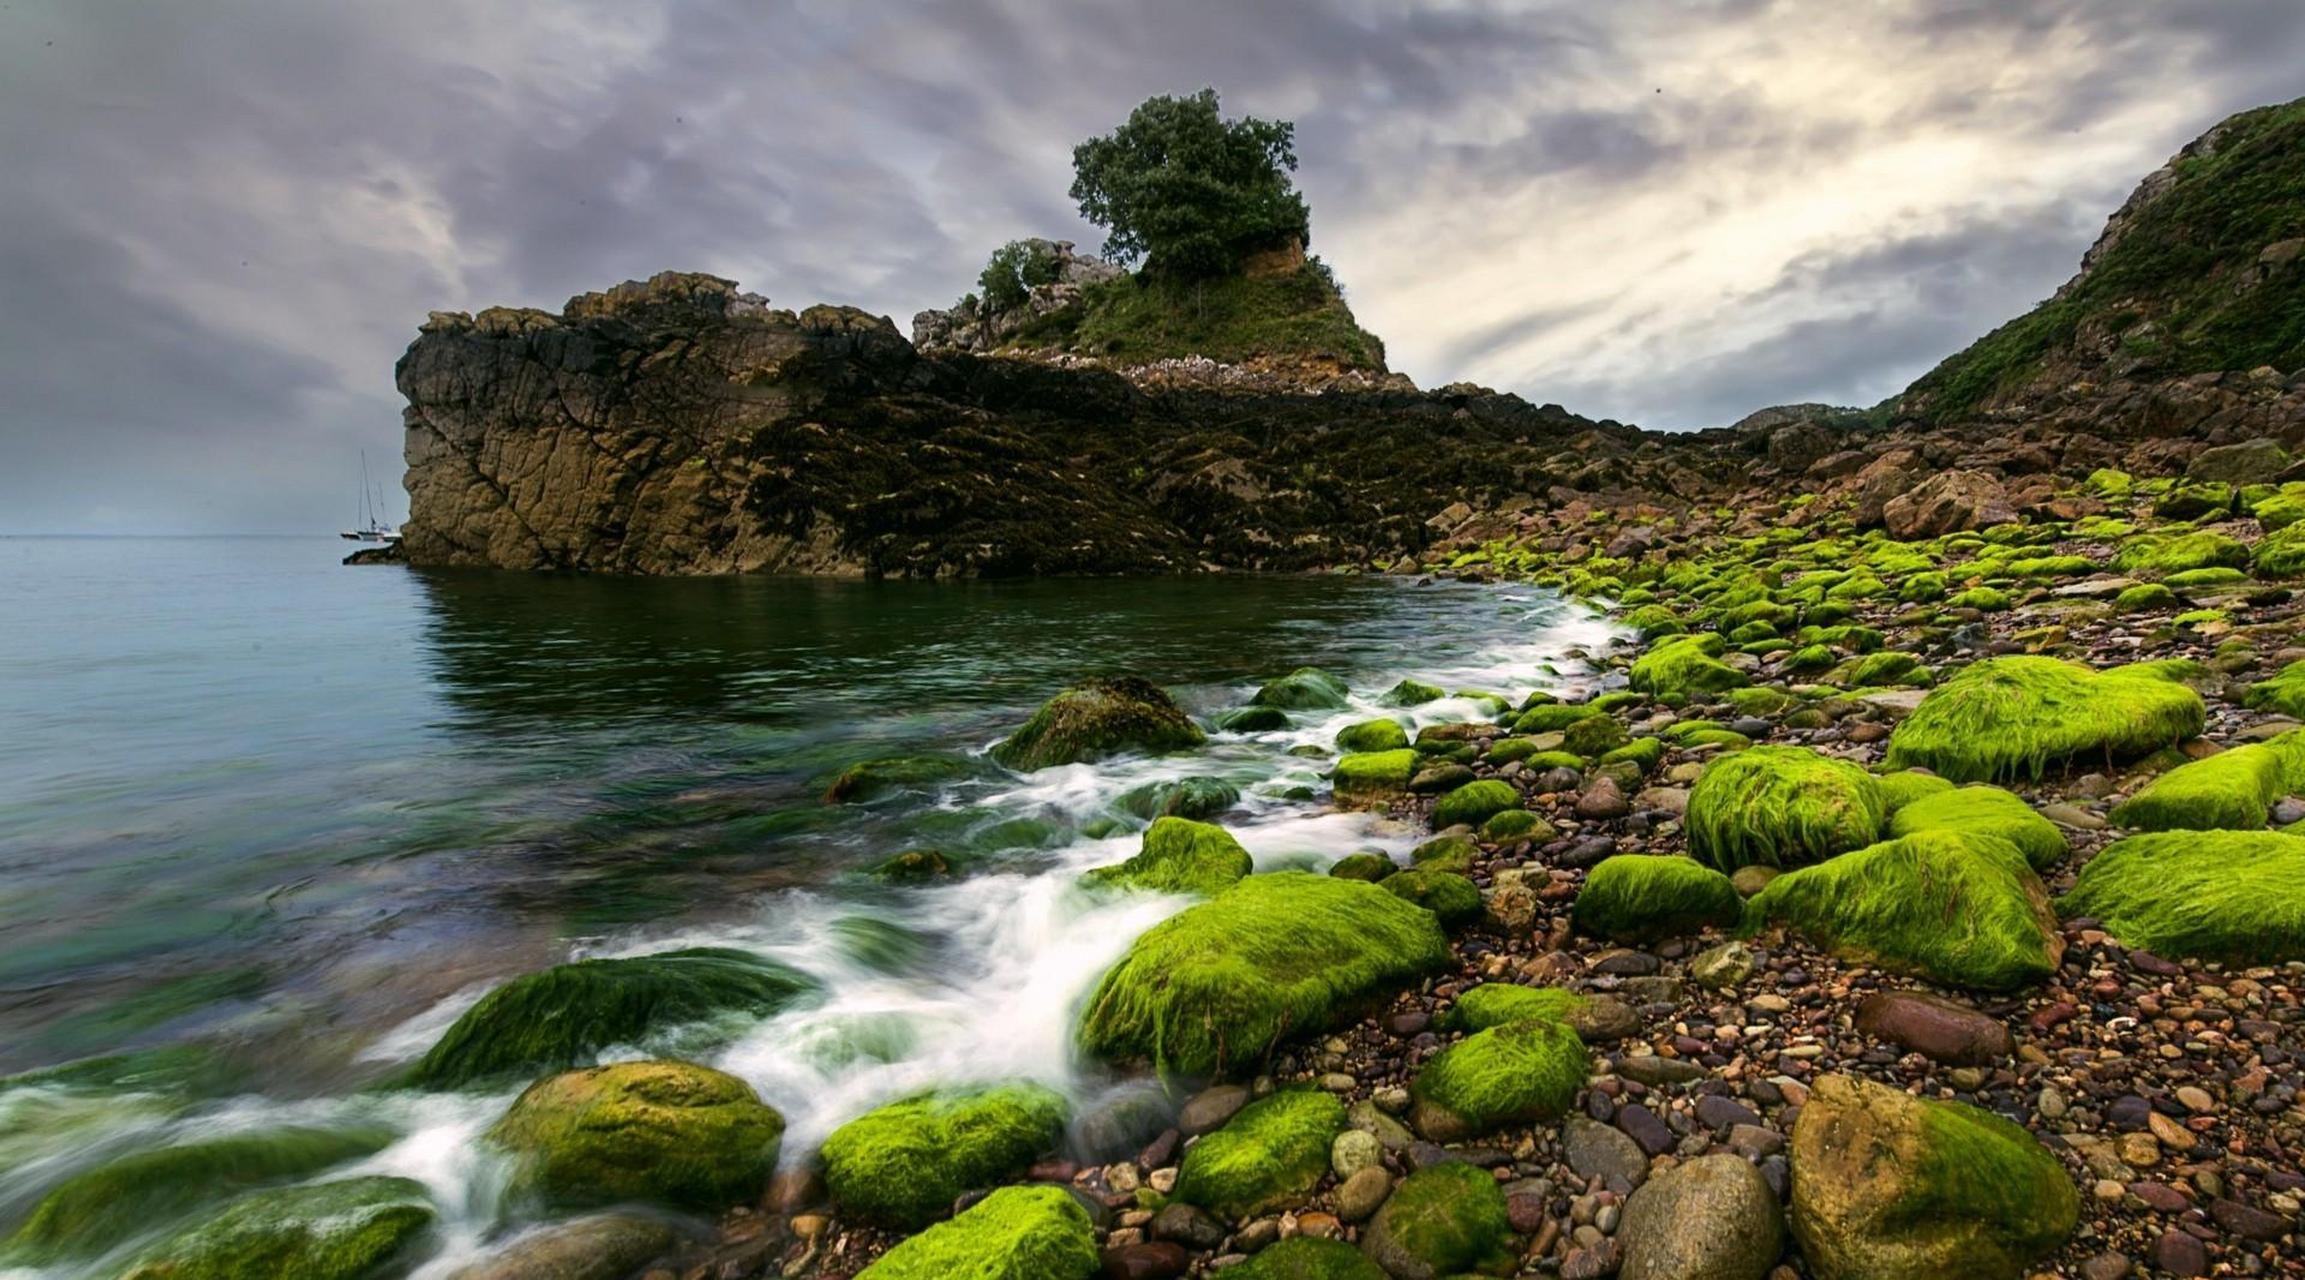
(372,527)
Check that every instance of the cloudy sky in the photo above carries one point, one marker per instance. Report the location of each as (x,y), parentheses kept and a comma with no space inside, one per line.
(223,219)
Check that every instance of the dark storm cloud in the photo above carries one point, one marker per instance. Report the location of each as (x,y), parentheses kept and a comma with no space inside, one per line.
(223,221)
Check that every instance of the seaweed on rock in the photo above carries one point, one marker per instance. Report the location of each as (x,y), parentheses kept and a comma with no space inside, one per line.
(341,1230)
(1988,811)
(1641,898)
(1179,856)
(1016,1233)
(1096,719)
(904,1164)
(1685,665)
(1495,1004)
(670,1133)
(2229,791)
(2018,716)
(1780,807)
(1272,1152)
(2231,896)
(1521,1071)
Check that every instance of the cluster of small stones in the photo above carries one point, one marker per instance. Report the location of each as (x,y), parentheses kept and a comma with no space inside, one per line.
(2168,1089)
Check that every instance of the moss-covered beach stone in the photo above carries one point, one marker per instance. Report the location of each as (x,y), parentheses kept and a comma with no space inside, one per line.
(1099,718)
(1372,735)
(670,1133)
(1780,807)
(1641,898)
(1960,908)
(1496,1004)
(2018,716)
(1887,1186)
(1374,775)
(342,1230)
(93,1211)
(1906,786)
(2284,693)
(1683,666)
(904,1164)
(1016,1233)
(1271,1153)
(2230,791)
(1195,797)
(1986,810)
(1452,898)
(1443,1220)
(1512,1074)
(564,1015)
(1210,990)
(1475,803)
(1179,856)
(2231,896)
(1304,689)
(1307,1258)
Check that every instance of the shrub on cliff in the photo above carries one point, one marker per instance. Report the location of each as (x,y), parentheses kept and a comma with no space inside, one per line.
(1013,271)
(1189,189)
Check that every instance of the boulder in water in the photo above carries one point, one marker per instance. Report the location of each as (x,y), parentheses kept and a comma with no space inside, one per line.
(341,1230)
(1304,689)
(608,1246)
(904,1164)
(1179,857)
(1016,1233)
(1096,719)
(661,1132)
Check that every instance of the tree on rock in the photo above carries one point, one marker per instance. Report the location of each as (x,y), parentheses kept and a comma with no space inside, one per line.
(1189,190)
(1015,269)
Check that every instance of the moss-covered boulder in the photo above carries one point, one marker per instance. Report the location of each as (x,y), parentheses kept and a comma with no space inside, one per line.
(1096,719)
(1516,1073)
(1307,1258)
(2280,555)
(1412,693)
(1987,811)
(342,1230)
(1641,898)
(1887,1186)
(1907,785)
(670,1133)
(1210,990)
(1364,866)
(1553,717)
(1475,803)
(2229,791)
(1179,856)
(566,1014)
(1780,807)
(1443,1220)
(1452,898)
(1685,666)
(1497,1004)
(93,1211)
(2171,553)
(904,1164)
(1304,689)
(1372,735)
(2018,716)
(1252,720)
(1959,908)
(1016,1233)
(869,780)
(1270,1154)
(1197,797)
(2231,896)
(1445,853)
(2284,694)
(1374,774)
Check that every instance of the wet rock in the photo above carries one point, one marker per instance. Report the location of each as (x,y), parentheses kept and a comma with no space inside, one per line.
(1363,1193)
(1146,1260)
(1596,1150)
(1722,966)
(1210,1108)
(606,1247)
(1713,1218)
(1188,1226)
(2180,1254)
(1653,1070)
(1591,1262)
(1443,1220)
(1645,1128)
(1602,1020)
(1934,1027)
(1603,799)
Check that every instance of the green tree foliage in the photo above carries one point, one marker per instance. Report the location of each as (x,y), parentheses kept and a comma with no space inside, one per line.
(1015,269)
(1188,189)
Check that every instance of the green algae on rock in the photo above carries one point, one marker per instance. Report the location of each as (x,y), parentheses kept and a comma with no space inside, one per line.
(1196,797)
(2018,716)
(1016,1233)
(660,1132)
(1307,1258)
(1961,908)
(1372,735)
(1906,786)
(1364,866)
(1642,898)
(2232,896)
(1887,1186)
(564,1015)
(1475,803)
(1179,856)
(1780,807)
(1411,693)
(1452,898)
(1989,811)
(1375,774)
(1270,1154)
(342,1230)
(1304,689)
(1096,719)
(1685,665)
(1210,990)
(93,1211)
(869,780)
(1519,1072)
(904,1164)
(1497,1004)
(2172,553)
(1442,1220)
(2284,693)
(2233,790)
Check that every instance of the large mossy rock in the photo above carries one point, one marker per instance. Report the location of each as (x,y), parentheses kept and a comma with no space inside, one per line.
(1452,898)
(343,1230)
(1304,689)
(1685,666)
(1016,1233)
(2019,716)
(564,1015)
(1270,1154)
(2230,791)
(1641,898)
(1959,908)
(1475,803)
(1209,991)
(1512,1074)
(1780,807)
(1096,719)
(1196,797)
(1887,1186)
(1375,775)
(2231,896)
(1907,786)
(1372,735)
(670,1133)
(904,1164)
(1498,1004)
(1307,1258)
(1179,857)
(1443,1220)
(2284,693)
(93,1211)
(1986,811)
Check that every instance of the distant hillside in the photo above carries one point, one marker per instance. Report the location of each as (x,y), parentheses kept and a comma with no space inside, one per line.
(2200,271)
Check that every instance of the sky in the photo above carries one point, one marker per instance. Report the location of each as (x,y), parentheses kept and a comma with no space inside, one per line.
(223,219)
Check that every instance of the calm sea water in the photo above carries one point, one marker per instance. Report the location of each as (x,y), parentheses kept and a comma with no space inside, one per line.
(304,814)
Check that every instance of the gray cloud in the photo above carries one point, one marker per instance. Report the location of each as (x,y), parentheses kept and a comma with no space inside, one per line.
(224,221)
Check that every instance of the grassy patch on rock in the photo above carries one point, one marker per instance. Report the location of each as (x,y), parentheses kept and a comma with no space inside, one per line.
(1780,807)
(2233,896)
(2016,717)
